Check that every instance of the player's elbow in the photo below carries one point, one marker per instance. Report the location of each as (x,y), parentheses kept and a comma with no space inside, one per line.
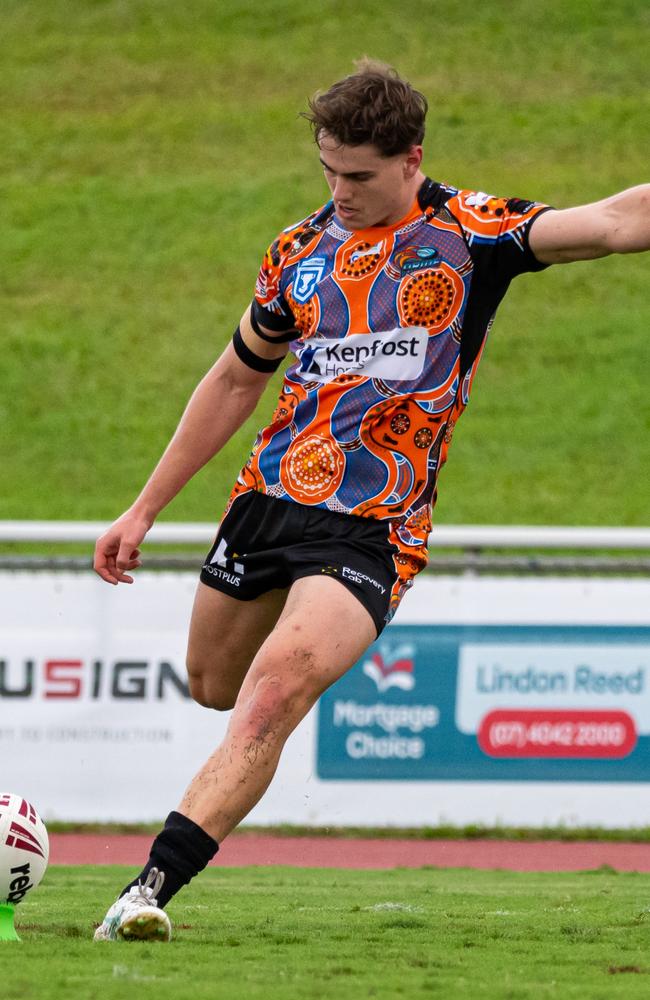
(231,383)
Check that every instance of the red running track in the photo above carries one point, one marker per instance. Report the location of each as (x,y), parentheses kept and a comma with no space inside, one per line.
(326,852)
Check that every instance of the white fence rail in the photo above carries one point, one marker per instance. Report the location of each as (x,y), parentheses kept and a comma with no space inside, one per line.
(442,537)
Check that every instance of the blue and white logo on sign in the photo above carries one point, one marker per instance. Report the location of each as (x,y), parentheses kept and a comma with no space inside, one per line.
(308,274)
(391,668)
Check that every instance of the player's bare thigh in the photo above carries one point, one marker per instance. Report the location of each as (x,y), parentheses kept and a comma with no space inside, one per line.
(322,631)
(224,637)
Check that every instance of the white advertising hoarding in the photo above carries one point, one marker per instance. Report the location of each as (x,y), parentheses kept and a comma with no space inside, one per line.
(96,722)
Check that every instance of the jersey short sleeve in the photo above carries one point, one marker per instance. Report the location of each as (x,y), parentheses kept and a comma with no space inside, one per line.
(269,304)
(497,231)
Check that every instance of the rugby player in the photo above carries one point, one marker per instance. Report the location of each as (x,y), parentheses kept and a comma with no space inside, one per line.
(384,297)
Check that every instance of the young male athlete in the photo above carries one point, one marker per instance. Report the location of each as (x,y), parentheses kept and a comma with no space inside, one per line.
(384,297)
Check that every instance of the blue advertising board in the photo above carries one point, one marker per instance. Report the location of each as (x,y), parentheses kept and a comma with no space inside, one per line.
(492,702)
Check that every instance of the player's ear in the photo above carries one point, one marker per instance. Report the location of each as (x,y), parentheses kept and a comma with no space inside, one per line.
(412,161)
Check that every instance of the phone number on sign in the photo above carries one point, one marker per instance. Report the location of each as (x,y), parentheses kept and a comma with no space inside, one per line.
(557,733)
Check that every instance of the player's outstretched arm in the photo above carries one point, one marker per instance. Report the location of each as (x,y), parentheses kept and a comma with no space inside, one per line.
(224,398)
(619,224)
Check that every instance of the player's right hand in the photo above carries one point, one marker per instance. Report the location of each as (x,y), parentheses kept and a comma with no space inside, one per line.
(117,550)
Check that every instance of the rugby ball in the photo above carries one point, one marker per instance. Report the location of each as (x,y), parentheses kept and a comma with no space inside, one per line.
(24,848)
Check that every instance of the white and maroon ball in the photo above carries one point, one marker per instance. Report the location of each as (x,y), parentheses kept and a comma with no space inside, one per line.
(24,848)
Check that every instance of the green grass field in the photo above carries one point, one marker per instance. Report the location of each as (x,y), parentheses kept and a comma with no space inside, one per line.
(149,152)
(293,934)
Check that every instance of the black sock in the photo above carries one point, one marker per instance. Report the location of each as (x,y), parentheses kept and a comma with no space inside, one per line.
(181,850)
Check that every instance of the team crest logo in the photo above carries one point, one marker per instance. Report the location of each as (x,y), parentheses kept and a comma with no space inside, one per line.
(414,258)
(308,274)
(394,671)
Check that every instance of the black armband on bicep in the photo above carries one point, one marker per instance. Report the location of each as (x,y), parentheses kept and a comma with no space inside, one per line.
(277,324)
(252,360)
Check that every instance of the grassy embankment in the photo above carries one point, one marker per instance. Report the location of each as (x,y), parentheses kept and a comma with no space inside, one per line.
(149,153)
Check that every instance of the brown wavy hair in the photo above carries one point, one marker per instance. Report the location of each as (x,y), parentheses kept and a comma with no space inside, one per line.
(373,105)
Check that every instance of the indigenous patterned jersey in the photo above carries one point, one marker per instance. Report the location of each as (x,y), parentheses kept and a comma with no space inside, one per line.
(390,323)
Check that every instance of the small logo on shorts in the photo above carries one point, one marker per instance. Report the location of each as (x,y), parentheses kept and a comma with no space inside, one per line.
(357,577)
(225,567)
(329,570)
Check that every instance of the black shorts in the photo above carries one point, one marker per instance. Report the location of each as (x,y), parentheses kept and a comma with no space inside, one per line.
(265,543)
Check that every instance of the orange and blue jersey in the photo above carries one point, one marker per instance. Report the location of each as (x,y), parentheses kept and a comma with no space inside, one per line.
(390,323)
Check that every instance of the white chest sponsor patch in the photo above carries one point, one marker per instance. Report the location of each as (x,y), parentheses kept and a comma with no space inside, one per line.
(393,355)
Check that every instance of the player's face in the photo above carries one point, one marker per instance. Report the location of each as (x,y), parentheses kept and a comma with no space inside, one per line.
(369,189)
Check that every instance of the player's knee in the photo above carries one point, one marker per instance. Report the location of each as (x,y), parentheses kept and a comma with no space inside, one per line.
(208,691)
(281,699)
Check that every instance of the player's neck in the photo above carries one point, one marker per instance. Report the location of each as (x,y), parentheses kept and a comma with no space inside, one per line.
(402,208)
(405,204)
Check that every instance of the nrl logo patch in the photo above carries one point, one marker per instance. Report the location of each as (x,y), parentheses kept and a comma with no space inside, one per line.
(308,274)
(414,258)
